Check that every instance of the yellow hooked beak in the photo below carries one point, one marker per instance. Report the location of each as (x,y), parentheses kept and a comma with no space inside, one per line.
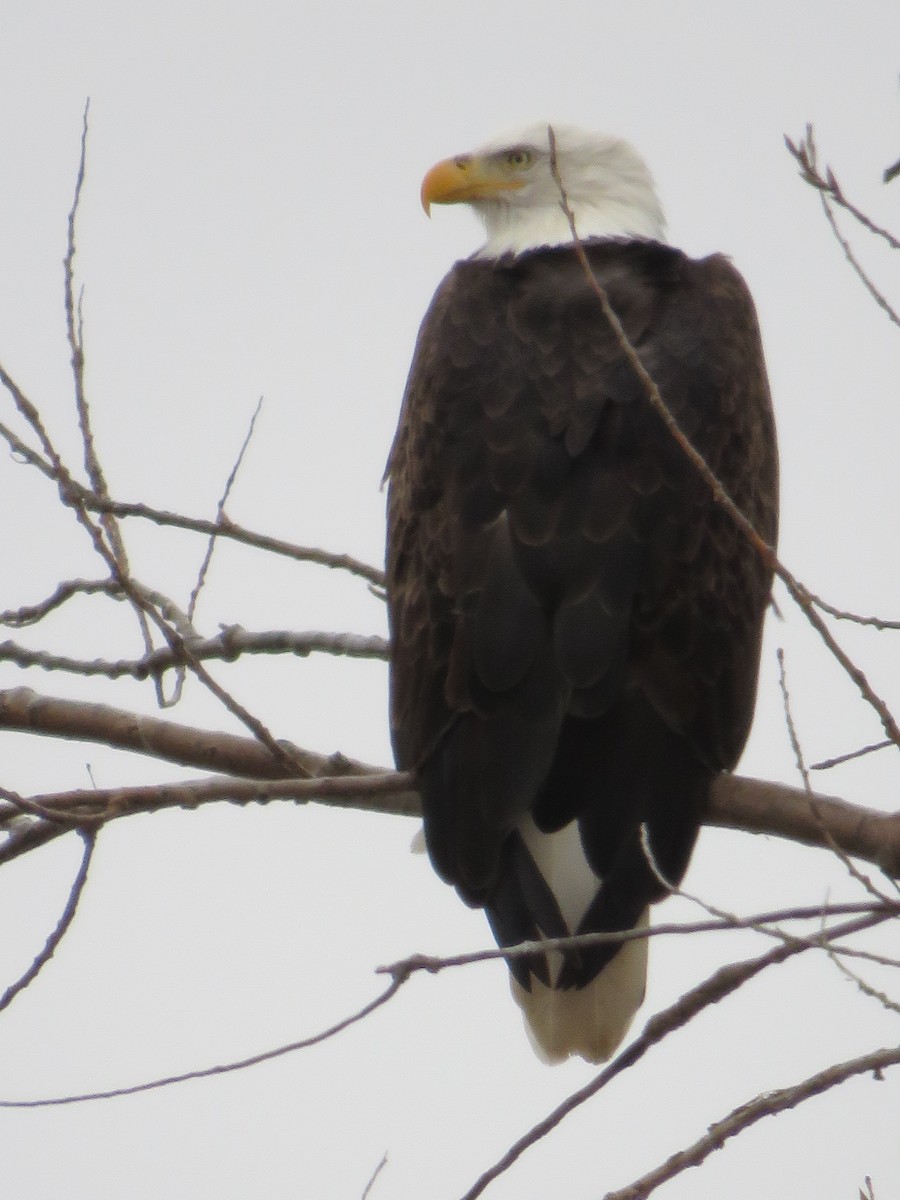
(468,177)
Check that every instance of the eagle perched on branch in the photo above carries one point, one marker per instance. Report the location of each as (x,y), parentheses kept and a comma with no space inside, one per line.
(575,619)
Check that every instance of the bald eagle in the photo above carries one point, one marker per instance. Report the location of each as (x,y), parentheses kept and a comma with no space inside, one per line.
(575,621)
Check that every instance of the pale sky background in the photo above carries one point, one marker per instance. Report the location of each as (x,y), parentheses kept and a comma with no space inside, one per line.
(251,226)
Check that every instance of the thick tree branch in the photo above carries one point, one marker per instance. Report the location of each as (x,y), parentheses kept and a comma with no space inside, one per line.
(758,806)
(736,802)
(27,711)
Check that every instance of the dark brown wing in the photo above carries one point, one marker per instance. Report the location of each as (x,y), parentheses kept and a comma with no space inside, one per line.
(575,622)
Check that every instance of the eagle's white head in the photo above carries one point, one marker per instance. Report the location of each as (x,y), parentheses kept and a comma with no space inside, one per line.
(510,184)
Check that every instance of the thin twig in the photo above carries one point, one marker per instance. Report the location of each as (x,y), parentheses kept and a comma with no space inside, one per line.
(74,334)
(865,987)
(71,497)
(375,1175)
(721,923)
(841,614)
(826,764)
(203,571)
(863,276)
(220,513)
(223,1068)
(62,925)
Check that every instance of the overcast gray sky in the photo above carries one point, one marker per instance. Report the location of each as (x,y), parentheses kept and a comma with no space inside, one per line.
(251,226)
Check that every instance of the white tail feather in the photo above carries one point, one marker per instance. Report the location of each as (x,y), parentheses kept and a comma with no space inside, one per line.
(589,1021)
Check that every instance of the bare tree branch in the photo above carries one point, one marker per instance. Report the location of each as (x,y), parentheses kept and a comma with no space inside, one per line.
(222,528)
(722,983)
(758,806)
(769,1104)
(231,643)
(27,711)
(736,802)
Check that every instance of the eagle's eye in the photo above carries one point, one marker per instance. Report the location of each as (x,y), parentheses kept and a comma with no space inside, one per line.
(519,158)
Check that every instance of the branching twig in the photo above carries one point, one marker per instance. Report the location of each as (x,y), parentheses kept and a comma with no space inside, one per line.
(877,295)
(831,193)
(806,156)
